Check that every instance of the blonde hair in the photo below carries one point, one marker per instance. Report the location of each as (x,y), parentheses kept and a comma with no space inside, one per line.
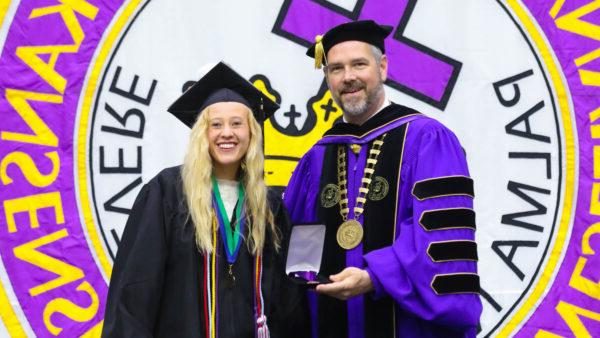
(197,187)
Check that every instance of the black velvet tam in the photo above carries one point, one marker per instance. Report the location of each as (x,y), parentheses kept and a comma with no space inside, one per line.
(365,30)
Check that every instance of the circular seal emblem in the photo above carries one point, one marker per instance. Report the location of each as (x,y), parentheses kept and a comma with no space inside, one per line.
(523,189)
(330,195)
(379,188)
(349,234)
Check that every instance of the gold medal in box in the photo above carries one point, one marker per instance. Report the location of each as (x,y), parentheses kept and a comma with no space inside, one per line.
(350,232)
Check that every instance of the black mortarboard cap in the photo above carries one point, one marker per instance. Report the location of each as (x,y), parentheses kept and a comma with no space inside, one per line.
(221,84)
(365,30)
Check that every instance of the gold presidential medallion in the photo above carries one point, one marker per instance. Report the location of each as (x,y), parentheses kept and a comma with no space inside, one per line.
(379,188)
(330,195)
(349,234)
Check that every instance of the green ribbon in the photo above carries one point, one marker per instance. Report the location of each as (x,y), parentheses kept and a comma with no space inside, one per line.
(232,236)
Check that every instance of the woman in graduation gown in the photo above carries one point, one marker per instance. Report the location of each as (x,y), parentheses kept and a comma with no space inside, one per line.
(201,254)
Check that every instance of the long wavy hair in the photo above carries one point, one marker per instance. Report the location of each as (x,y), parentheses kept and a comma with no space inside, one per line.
(197,187)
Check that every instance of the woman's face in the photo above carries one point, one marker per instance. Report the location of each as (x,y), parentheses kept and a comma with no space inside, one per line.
(228,137)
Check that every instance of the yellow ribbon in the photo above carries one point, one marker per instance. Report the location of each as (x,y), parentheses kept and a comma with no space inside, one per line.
(319,52)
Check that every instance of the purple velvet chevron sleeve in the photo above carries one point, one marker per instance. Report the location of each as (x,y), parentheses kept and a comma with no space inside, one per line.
(430,270)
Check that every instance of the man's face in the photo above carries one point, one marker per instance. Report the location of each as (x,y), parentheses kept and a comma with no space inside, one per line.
(355,79)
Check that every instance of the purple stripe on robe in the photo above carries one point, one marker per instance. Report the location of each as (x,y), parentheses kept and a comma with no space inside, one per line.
(356,305)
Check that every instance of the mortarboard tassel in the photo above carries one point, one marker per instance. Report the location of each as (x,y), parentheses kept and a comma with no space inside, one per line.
(319,52)
(263,329)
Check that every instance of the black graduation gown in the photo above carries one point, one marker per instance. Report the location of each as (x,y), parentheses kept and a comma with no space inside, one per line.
(157,280)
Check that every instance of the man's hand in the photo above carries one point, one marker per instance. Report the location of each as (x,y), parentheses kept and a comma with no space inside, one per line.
(348,283)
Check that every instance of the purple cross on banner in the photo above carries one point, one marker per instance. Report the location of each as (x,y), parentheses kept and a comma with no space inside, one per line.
(414,69)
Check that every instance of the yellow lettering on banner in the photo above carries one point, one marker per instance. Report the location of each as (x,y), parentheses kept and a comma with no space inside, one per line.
(595,128)
(31,204)
(572,22)
(594,200)
(546,334)
(30,54)
(556,8)
(71,310)
(582,284)
(577,281)
(41,133)
(29,169)
(596,161)
(585,242)
(570,314)
(588,57)
(588,77)
(67,273)
(67,9)
(94,332)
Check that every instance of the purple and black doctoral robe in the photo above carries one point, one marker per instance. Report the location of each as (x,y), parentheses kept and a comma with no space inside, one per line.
(419,229)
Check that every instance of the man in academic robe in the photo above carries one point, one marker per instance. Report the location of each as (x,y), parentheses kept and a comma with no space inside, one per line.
(392,188)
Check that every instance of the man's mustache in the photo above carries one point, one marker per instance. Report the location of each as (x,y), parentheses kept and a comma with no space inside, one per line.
(352,87)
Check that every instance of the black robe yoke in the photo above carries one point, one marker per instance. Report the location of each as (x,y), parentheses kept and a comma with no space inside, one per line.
(156,288)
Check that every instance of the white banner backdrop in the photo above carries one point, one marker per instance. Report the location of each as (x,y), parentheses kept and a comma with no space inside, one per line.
(501,74)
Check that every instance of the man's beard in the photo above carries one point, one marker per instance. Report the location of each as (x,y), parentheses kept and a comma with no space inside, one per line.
(359,106)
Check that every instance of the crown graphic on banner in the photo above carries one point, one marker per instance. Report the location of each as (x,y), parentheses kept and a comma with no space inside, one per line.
(285,145)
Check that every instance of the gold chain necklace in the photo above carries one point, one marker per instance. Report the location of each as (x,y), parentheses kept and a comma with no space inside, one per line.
(350,232)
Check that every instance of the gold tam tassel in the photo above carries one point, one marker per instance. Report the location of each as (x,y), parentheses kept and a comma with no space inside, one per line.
(319,51)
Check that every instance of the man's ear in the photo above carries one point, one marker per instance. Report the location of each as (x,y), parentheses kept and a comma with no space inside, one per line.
(383,67)
(325,77)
